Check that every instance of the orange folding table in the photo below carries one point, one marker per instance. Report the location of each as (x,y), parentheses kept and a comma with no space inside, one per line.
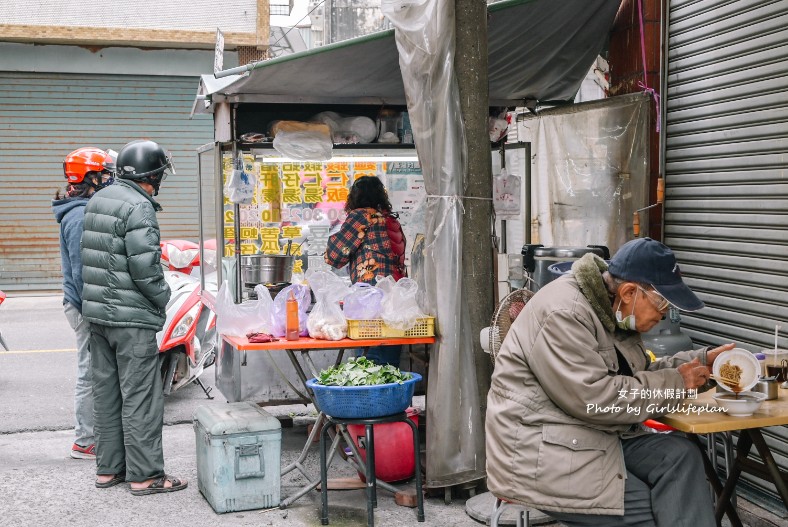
(303,347)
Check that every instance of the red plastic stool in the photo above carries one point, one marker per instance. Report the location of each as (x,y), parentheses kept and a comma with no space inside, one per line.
(656,425)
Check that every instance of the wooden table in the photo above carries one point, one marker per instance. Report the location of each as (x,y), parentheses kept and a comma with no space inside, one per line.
(770,413)
(304,346)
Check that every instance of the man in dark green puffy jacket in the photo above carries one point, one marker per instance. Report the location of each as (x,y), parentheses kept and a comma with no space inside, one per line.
(124,299)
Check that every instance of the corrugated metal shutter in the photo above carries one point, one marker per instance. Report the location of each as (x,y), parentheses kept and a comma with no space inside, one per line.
(43,117)
(726,211)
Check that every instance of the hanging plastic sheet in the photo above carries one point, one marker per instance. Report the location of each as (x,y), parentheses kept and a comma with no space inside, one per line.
(588,183)
(424,32)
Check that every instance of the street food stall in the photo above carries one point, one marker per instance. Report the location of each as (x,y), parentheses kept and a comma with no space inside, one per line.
(298,200)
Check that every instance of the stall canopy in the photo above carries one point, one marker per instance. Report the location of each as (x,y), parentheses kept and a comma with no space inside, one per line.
(538,50)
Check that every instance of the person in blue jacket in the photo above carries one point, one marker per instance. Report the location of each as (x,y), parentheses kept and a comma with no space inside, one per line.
(86,170)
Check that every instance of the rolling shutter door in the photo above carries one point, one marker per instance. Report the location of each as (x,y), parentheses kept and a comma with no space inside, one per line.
(45,116)
(726,210)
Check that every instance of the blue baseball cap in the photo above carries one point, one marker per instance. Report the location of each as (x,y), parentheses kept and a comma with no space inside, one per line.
(647,261)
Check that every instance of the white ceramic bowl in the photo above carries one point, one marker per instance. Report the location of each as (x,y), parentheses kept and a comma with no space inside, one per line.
(744,406)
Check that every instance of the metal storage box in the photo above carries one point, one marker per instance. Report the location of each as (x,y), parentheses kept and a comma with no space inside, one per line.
(238,456)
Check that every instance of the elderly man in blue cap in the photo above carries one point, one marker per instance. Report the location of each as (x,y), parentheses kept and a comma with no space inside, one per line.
(572,385)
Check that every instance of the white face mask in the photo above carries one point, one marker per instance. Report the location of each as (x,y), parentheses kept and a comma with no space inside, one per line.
(627,323)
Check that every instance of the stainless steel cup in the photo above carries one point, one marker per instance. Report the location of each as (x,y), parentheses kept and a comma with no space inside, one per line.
(767,387)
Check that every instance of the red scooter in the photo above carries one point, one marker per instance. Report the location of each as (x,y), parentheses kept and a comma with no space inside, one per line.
(187,343)
(2,341)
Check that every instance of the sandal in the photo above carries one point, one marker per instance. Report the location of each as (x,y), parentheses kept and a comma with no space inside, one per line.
(157,486)
(117,479)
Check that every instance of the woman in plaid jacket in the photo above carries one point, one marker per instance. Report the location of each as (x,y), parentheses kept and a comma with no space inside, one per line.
(371,243)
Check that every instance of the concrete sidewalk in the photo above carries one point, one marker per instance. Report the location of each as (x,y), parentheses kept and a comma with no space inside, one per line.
(41,486)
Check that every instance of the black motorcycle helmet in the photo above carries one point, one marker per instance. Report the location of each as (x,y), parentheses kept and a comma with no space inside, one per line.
(144,161)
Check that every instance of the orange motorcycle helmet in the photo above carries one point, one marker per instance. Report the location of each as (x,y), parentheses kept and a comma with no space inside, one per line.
(87,159)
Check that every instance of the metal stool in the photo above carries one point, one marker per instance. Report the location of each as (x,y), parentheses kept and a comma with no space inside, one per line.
(523,516)
(372,499)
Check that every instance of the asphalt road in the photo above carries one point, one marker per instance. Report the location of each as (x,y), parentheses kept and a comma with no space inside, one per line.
(38,375)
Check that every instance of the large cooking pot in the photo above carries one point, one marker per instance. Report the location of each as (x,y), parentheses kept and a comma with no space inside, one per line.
(266,268)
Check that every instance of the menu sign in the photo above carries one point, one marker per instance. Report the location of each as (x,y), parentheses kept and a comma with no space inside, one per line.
(298,204)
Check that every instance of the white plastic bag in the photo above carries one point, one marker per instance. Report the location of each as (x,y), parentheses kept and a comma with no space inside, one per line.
(241,185)
(400,304)
(279,309)
(348,129)
(304,145)
(506,194)
(363,302)
(326,321)
(238,320)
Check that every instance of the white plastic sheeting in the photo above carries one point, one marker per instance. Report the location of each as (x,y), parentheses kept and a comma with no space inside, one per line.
(424,32)
(590,171)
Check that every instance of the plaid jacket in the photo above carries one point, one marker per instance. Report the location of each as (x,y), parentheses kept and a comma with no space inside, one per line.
(363,243)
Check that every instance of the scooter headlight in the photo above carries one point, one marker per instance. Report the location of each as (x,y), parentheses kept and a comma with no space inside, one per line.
(185,322)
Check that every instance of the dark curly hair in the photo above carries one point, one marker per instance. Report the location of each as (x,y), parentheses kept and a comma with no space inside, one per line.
(76,190)
(368,192)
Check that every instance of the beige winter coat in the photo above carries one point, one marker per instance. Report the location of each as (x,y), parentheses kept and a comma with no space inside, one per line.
(545,447)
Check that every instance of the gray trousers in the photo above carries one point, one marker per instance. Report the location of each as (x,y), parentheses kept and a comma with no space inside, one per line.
(665,487)
(128,402)
(83,394)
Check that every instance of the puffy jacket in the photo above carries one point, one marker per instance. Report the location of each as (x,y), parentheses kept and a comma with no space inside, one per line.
(545,447)
(70,214)
(121,255)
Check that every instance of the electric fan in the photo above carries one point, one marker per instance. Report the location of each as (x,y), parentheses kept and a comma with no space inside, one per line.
(505,313)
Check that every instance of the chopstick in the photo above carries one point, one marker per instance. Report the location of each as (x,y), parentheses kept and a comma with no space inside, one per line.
(726,380)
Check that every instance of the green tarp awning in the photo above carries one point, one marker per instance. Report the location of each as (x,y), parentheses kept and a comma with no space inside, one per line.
(538,49)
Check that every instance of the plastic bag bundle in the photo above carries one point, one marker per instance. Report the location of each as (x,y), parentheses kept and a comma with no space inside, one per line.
(348,129)
(237,320)
(306,144)
(240,184)
(279,309)
(326,321)
(400,306)
(363,302)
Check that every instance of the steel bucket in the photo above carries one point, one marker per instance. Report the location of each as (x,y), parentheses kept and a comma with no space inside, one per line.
(266,268)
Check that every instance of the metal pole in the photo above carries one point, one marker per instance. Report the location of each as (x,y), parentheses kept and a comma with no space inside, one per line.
(219,210)
(527,184)
(201,231)
(664,21)
(502,153)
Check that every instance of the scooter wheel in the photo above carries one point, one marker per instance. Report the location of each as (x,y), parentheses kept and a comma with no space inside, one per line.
(172,363)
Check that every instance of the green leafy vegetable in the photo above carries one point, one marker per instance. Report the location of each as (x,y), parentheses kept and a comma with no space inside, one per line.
(362,372)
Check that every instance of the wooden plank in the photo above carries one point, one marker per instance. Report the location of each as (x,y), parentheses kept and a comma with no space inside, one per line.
(770,413)
(120,36)
(344,484)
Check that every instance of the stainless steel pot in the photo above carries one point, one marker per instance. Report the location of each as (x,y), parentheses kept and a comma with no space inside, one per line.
(266,268)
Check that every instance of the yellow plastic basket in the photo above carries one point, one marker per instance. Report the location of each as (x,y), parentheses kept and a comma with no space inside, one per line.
(376,329)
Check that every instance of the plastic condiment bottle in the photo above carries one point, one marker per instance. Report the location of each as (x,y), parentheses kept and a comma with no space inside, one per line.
(762,361)
(292,330)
